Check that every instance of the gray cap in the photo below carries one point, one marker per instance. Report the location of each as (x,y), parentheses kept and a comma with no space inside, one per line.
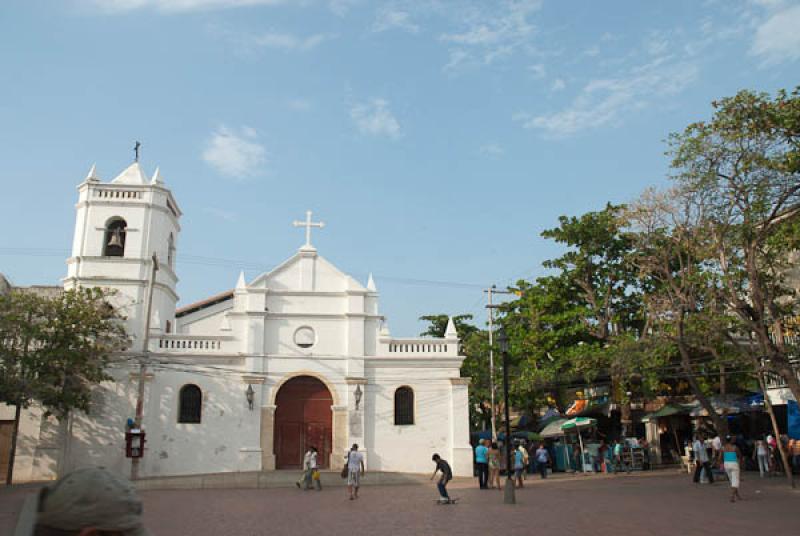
(91,497)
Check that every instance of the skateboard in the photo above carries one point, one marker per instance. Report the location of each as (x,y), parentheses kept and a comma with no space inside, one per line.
(453,500)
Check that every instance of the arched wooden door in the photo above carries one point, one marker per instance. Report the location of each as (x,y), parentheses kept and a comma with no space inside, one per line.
(303,418)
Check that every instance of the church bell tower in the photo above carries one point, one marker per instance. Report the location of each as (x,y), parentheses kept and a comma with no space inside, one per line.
(119,226)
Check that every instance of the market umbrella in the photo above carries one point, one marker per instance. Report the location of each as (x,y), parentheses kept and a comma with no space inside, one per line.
(553,428)
(577,424)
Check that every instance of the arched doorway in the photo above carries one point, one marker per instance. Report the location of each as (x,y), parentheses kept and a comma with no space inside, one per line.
(303,418)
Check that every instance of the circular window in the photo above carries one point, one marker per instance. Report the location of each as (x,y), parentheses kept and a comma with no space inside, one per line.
(305,337)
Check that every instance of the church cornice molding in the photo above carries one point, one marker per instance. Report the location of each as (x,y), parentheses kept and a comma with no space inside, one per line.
(278,315)
(163,267)
(413,362)
(100,281)
(312,357)
(304,293)
(198,359)
(138,203)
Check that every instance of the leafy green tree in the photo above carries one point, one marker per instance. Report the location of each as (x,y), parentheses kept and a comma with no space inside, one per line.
(576,317)
(740,172)
(53,350)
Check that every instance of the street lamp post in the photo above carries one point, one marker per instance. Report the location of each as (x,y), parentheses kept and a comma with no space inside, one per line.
(508,495)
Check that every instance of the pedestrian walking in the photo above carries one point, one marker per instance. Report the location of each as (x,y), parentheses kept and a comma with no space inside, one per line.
(761,456)
(542,460)
(716,448)
(519,464)
(314,466)
(793,450)
(482,463)
(355,470)
(494,466)
(602,453)
(447,475)
(774,454)
(309,461)
(731,459)
(618,458)
(701,462)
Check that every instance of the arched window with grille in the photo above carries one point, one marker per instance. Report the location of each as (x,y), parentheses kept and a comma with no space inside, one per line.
(114,239)
(404,406)
(190,404)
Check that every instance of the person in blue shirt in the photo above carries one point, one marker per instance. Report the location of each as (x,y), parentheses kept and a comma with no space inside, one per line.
(482,463)
(542,458)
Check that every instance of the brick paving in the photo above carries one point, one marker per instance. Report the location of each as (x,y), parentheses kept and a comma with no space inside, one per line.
(638,504)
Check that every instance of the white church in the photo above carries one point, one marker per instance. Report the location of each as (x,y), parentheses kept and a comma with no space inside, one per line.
(247,379)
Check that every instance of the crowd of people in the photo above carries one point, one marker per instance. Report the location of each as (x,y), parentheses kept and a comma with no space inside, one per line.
(94,501)
(736,454)
(538,457)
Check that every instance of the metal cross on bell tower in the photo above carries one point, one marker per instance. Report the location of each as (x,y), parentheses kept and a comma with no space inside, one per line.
(308,224)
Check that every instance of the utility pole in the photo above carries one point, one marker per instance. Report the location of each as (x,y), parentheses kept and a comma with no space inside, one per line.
(491,291)
(143,362)
(509,495)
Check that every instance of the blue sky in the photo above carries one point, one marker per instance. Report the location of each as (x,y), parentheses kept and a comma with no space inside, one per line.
(435,138)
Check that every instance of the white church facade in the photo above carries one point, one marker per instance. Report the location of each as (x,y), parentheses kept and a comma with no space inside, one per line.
(247,379)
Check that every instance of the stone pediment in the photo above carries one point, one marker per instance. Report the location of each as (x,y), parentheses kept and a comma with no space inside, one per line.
(306,271)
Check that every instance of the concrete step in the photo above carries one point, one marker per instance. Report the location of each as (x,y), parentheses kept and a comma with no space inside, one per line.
(274,479)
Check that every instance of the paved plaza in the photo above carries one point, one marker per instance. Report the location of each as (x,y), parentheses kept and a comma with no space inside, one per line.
(652,504)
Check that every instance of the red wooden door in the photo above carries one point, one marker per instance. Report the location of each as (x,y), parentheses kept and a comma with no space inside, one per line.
(317,436)
(302,418)
(290,444)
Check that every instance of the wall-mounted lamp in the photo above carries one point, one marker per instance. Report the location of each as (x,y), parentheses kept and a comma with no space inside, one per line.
(358,394)
(250,395)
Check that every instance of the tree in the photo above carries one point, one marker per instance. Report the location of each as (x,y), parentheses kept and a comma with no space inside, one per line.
(606,295)
(681,303)
(545,325)
(741,172)
(53,350)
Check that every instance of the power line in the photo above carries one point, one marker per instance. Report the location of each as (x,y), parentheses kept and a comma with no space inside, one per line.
(199,260)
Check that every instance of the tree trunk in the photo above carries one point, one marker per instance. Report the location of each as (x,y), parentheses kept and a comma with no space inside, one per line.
(776,430)
(625,418)
(721,425)
(13,453)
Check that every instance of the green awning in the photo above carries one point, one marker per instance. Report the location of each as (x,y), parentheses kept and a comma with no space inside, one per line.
(666,411)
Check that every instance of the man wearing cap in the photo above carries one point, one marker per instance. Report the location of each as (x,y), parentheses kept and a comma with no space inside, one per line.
(86,502)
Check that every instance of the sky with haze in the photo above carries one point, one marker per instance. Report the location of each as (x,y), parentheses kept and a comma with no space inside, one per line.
(435,138)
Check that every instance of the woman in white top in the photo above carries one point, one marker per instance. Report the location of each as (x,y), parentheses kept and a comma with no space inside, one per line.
(761,455)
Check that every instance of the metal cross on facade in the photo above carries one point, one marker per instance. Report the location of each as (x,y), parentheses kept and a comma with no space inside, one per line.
(136,149)
(308,224)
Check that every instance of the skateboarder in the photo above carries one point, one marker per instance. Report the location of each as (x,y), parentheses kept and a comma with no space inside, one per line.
(447,475)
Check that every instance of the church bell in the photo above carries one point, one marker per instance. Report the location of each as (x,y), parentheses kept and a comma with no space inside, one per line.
(116,239)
